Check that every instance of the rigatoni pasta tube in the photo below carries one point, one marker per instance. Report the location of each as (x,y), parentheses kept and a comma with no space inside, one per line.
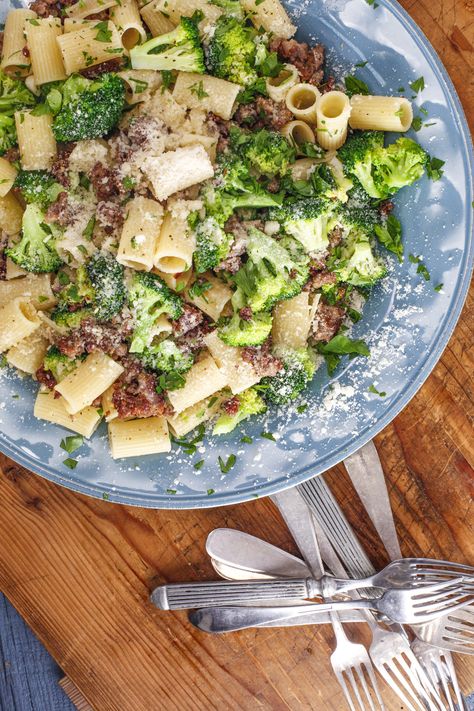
(28,354)
(175,246)
(381,113)
(279,86)
(108,407)
(156,20)
(218,95)
(8,173)
(51,408)
(176,282)
(333,111)
(271,15)
(139,83)
(190,418)
(11,214)
(46,60)
(82,49)
(298,132)
(128,22)
(84,8)
(134,438)
(33,287)
(238,373)
(301,100)
(13,270)
(202,380)
(89,380)
(140,233)
(18,320)
(36,140)
(14,59)
(214,296)
(291,322)
(302,168)
(186,8)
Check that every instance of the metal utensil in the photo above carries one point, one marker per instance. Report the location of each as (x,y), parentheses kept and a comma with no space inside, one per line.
(439,667)
(454,632)
(403,606)
(350,662)
(411,572)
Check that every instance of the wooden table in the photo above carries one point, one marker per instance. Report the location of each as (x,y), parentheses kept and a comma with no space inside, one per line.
(80,570)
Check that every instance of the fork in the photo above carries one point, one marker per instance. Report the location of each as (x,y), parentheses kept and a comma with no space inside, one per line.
(390,651)
(403,606)
(454,631)
(439,667)
(411,572)
(348,660)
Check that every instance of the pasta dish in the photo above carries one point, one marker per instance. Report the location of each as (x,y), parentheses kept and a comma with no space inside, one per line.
(192,211)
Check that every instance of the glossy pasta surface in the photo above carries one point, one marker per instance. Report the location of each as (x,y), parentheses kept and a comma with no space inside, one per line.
(189,233)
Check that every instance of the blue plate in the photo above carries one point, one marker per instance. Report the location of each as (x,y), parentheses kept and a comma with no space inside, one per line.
(406,322)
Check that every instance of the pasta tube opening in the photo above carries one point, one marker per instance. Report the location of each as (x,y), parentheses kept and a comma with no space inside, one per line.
(333,111)
(298,132)
(301,100)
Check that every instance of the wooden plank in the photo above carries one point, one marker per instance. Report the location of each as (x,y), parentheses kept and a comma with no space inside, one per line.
(80,570)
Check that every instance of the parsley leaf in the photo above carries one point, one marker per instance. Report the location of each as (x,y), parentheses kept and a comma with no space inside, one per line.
(199,288)
(247,95)
(268,435)
(438,287)
(210,492)
(70,463)
(433,168)
(70,444)
(341,345)
(199,465)
(417,85)
(271,67)
(246,439)
(417,123)
(356,86)
(103,32)
(227,466)
(198,90)
(390,235)
(421,268)
(373,389)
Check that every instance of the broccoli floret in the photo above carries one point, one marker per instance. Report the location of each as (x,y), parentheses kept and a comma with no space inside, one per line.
(212,245)
(298,370)
(400,164)
(250,403)
(106,277)
(357,156)
(166,357)
(13,96)
(38,186)
(232,8)
(71,319)
(362,217)
(269,152)
(221,204)
(357,264)
(36,250)
(90,109)
(239,332)
(149,297)
(231,51)
(271,273)
(179,49)
(340,184)
(58,364)
(309,221)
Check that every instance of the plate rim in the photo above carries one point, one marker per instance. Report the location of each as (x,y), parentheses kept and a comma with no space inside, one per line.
(188,502)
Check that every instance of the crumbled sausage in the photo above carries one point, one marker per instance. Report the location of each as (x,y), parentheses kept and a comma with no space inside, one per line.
(111,65)
(246,313)
(106,182)
(109,216)
(231,406)
(60,167)
(45,377)
(135,395)
(319,278)
(220,128)
(262,359)
(190,319)
(308,60)
(61,211)
(3,256)
(263,113)
(386,207)
(327,322)
(92,336)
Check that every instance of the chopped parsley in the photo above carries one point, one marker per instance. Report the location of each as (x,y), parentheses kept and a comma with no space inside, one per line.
(417,123)
(356,86)
(70,463)
(421,268)
(372,3)
(361,65)
(105,496)
(198,90)
(390,235)
(417,85)
(302,408)
(171,491)
(438,287)
(210,492)
(433,168)
(103,32)
(199,465)
(268,435)
(70,444)
(246,439)
(199,288)
(341,345)
(373,389)
(227,466)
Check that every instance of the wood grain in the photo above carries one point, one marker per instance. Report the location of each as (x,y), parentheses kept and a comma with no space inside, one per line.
(80,570)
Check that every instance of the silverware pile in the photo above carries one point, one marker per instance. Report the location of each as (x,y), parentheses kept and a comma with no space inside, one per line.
(418,610)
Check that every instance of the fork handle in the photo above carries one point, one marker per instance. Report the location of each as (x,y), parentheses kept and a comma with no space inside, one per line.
(186,596)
